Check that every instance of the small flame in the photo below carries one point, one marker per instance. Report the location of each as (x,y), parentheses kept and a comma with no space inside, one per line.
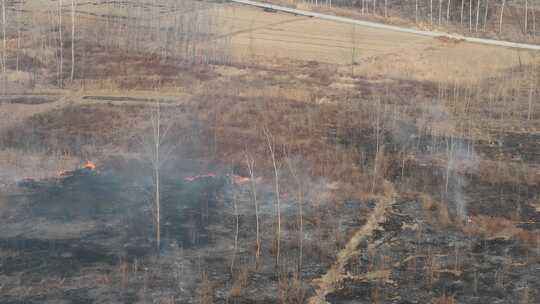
(90,165)
(240,179)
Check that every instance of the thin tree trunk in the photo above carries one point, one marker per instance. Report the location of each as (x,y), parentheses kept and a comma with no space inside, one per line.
(431,12)
(486,14)
(18,39)
(72,39)
(470,15)
(534,21)
(526,15)
(448,12)
(377,136)
(502,14)
(461,15)
(250,165)
(4,44)
(156,124)
(60,35)
(449,150)
(416,11)
(237,228)
(440,12)
(270,142)
(530,103)
(353,57)
(477,15)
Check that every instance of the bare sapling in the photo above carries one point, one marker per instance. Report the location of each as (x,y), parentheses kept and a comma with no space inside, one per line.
(448,11)
(4,44)
(61,41)
(250,163)
(158,153)
(377,144)
(526,16)
(156,127)
(461,13)
(486,15)
(72,39)
(237,225)
(271,148)
(470,15)
(502,14)
(477,15)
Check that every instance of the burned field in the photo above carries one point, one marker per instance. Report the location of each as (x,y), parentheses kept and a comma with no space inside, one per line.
(203,170)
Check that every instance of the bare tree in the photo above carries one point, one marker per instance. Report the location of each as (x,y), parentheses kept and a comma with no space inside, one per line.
(431,12)
(237,222)
(461,14)
(72,39)
(378,144)
(477,15)
(470,15)
(353,55)
(4,45)
(440,12)
(158,153)
(486,14)
(534,22)
(502,14)
(529,111)
(61,40)
(250,162)
(156,128)
(271,147)
(448,11)
(526,15)
(416,11)
(18,22)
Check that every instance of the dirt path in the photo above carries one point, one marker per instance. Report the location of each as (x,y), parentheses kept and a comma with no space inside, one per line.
(331,280)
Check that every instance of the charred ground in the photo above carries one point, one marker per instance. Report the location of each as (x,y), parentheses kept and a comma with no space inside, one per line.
(393,189)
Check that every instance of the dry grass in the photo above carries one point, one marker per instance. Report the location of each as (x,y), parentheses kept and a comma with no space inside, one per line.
(438,210)
(380,52)
(445,299)
(205,291)
(331,280)
(17,164)
(291,289)
(488,227)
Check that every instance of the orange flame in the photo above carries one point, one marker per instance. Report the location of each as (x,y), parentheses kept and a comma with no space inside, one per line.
(241,179)
(90,165)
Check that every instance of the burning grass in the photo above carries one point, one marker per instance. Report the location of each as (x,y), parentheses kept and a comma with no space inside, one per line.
(376,168)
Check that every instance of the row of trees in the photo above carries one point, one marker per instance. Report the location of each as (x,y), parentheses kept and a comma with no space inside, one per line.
(58,33)
(471,15)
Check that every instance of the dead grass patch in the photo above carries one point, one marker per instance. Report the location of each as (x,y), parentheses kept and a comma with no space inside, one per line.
(489,228)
